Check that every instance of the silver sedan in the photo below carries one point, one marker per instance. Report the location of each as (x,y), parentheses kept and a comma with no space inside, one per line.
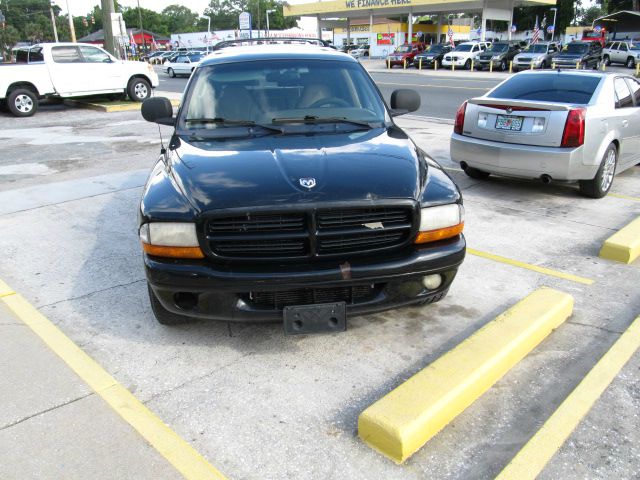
(562,125)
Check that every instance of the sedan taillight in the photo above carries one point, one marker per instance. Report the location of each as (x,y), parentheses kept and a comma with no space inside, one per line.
(459,124)
(573,135)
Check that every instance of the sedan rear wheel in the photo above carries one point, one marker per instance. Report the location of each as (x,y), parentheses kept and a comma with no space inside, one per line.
(171,73)
(601,183)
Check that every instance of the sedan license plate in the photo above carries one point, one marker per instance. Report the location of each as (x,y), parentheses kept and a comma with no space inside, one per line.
(508,122)
(318,318)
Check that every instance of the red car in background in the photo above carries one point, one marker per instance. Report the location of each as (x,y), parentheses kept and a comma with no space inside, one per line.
(404,53)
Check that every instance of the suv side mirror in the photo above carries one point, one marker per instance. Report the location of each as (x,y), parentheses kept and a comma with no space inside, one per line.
(404,101)
(158,110)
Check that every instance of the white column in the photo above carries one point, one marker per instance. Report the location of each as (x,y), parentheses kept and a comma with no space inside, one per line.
(484,26)
(319,27)
(439,27)
(348,31)
(409,27)
(510,21)
(371,36)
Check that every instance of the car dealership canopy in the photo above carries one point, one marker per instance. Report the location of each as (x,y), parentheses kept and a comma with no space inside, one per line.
(339,13)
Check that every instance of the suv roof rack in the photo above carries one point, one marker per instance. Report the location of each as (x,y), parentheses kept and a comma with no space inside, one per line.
(272,41)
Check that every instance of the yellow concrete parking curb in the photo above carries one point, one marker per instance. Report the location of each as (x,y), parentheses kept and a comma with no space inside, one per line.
(533,457)
(169,444)
(623,246)
(110,107)
(402,421)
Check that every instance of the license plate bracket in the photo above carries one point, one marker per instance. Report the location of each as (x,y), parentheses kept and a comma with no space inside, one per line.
(318,318)
(509,122)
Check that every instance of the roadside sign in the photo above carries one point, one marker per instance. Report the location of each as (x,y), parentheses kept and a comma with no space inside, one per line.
(550,29)
(244,19)
(598,29)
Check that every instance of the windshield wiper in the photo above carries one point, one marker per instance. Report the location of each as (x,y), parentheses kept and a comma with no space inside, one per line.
(234,123)
(315,120)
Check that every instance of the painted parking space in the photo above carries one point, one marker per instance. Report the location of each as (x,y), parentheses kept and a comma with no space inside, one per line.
(261,405)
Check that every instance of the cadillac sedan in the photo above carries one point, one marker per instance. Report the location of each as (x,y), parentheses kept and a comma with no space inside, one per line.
(560,125)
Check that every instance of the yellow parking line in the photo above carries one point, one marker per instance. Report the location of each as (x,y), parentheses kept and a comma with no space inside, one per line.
(624,245)
(178,452)
(626,197)
(528,266)
(533,457)
(430,85)
(402,421)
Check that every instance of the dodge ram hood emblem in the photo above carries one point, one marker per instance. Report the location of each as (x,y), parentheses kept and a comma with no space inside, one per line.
(308,182)
(509,111)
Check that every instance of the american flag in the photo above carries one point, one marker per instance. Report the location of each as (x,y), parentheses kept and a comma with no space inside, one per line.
(536,33)
(450,34)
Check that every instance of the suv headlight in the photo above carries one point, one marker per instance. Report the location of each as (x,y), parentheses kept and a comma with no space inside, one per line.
(441,222)
(170,239)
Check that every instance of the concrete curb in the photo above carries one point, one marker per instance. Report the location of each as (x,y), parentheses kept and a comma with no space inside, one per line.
(623,246)
(109,107)
(402,421)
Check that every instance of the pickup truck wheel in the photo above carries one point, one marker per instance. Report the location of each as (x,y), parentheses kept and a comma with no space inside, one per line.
(171,73)
(631,63)
(139,89)
(164,316)
(22,102)
(601,183)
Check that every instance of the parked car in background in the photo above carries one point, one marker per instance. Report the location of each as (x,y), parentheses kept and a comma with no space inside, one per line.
(536,55)
(348,48)
(404,55)
(290,195)
(555,125)
(498,55)
(360,52)
(66,70)
(579,55)
(182,64)
(624,52)
(150,56)
(431,54)
(464,54)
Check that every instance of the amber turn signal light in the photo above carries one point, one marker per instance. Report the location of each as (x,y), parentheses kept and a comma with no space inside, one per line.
(172,252)
(440,234)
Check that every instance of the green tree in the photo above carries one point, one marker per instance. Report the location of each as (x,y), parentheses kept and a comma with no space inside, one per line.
(151,21)
(180,19)
(8,38)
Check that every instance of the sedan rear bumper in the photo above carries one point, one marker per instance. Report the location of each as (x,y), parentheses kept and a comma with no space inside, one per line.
(523,161)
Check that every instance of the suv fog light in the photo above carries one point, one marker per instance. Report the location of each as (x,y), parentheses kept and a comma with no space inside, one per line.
(431,282)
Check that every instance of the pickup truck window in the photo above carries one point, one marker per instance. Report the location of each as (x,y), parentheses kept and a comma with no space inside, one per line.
(94,55)
(66,55)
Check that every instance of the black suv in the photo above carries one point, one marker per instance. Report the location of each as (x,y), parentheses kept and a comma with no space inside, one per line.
(287,193)
(579,55)
(498,55)
(431,54)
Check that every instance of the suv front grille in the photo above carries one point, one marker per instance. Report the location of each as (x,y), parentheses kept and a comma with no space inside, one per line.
(314,233)
(310,296)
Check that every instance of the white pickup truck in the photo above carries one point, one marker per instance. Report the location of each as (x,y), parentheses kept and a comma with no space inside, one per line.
(66,70)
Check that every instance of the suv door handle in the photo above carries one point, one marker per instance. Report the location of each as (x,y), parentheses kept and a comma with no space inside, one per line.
(625,123)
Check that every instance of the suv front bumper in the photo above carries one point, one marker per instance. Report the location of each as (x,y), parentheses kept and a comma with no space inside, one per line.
(226,293)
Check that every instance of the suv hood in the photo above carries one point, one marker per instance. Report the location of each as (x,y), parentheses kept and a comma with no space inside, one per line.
(381,163)
(569,56)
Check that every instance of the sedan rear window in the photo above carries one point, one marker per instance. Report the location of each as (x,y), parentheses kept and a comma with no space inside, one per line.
(548,87)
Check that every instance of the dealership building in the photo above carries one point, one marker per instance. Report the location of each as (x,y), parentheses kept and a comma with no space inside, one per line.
(385,24)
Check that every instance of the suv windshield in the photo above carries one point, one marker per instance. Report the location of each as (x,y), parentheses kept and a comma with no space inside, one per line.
(434,48)
(577,48)
(548,87)
(537,48)
(463,48)
(498,47)
(279,92)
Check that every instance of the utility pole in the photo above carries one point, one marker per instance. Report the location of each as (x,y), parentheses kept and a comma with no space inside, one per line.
(268,29)
(107,28)
(72,28)
(53,22)
(144,43)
